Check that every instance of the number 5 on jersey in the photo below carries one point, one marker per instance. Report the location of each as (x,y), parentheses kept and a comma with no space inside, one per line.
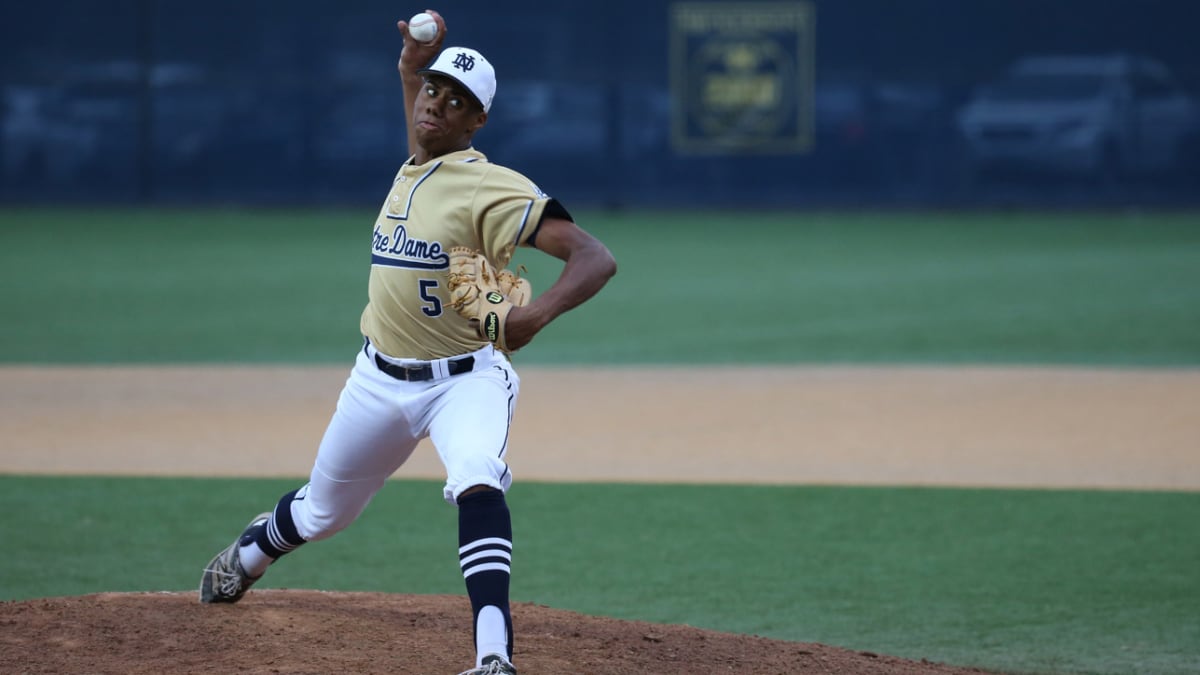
(434,308)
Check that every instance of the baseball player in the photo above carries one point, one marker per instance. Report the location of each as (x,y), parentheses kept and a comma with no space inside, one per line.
(442,312)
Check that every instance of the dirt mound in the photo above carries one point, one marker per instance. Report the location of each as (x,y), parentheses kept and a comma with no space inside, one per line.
(292,632)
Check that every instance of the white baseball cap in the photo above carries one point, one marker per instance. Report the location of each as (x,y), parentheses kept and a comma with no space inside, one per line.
(468,68)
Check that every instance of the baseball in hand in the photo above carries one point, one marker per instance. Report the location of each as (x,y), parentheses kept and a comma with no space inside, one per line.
(422,27)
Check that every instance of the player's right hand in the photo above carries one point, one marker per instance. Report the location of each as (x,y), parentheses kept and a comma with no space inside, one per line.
(417,55)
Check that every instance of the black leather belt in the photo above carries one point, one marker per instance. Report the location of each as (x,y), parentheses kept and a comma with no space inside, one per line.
(420,372)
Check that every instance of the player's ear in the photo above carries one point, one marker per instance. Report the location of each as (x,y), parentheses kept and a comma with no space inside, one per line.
(480,119)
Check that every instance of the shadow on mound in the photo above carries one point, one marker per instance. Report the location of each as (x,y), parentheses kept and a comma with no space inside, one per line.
(312,632)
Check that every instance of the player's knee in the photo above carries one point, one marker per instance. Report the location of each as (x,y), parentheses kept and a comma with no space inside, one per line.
(477,474)
(315,523)
(478,490)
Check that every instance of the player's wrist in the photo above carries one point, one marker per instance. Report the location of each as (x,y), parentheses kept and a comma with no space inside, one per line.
(408,71)
(534,316)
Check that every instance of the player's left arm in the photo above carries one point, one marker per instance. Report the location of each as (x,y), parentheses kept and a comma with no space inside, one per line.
(589,265)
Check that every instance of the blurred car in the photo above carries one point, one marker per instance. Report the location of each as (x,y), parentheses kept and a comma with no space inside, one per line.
(86,126)
(37,140)
(868,131)
(1098,116)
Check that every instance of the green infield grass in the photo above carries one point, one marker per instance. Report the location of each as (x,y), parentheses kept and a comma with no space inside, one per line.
(1012,581)
(213,285)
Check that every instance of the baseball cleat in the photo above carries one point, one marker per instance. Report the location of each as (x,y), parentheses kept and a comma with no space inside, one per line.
(493,664)
(224,579)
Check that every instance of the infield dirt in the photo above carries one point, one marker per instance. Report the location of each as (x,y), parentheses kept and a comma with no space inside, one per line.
(1004,427)
(977,426)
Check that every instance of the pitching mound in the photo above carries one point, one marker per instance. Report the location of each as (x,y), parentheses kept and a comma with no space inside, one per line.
(292,632)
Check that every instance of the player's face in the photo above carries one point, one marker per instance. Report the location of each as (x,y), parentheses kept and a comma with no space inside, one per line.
(445,116)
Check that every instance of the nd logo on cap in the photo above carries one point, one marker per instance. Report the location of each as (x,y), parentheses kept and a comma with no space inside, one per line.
(464,61)
(470,69)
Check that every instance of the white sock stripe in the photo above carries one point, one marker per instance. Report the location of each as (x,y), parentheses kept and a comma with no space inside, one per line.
(277,540)
(485,567)
(489,553)
(488,541)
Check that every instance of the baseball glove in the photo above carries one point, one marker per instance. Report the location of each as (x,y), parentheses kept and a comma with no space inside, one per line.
(483,295)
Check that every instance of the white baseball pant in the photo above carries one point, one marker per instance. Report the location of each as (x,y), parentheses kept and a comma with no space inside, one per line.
(379,421)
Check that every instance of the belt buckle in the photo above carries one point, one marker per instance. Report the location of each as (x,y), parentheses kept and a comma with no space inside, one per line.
(413,372)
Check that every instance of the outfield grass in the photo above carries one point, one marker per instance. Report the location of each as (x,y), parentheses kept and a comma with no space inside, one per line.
(211,285)
(1019,581)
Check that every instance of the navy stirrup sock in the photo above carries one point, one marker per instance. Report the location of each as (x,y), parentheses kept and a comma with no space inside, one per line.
(280,535)
(485,555)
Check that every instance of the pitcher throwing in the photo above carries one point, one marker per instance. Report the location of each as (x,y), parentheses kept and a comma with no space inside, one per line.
(441,317)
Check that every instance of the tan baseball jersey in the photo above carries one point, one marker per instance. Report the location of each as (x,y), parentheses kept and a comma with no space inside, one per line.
(459,199)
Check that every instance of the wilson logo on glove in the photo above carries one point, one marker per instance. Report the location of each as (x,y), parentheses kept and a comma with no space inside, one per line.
(483,295)
(491,327)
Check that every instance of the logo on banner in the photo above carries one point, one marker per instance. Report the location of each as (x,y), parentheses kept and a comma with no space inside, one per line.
(742,79)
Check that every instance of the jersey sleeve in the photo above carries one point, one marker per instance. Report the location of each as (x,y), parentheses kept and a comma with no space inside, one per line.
(507,210)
